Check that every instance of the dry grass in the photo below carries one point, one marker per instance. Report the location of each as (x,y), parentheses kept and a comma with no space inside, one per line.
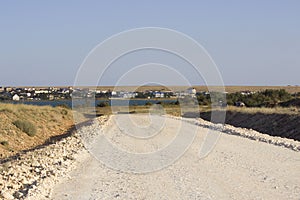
(48,122)
(176,110)
(168,109)
(276,110)
(26,126)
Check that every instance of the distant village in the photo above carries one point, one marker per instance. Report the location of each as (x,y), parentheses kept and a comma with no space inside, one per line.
(32,93)
(56,93)
(264,98)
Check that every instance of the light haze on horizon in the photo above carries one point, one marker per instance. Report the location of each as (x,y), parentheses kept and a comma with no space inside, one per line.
(253,43)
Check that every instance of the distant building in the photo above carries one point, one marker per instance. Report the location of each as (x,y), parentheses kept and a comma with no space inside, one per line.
(159,95)
(239,104)
(192,92)
(246,93)
(8,89)
(16,97)
(51,97)
(42,92)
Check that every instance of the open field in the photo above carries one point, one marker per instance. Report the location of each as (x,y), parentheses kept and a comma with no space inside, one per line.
(229,89)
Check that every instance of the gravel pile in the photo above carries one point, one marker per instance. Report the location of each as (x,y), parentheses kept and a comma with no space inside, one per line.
(244,132)
(33,174)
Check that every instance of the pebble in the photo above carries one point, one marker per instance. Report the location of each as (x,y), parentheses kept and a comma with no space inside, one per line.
(32,175)
(7,195)
(35,172)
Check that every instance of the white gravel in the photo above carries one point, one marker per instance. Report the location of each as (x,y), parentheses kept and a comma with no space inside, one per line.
(262,167)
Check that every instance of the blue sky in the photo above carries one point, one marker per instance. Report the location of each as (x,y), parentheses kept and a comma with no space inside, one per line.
(252,42)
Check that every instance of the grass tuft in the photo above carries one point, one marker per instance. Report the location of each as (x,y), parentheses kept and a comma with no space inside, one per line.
(26,127)
(4,143)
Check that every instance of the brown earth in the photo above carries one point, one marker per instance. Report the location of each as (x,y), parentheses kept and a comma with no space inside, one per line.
(48,121)
(291,103)
(275,124)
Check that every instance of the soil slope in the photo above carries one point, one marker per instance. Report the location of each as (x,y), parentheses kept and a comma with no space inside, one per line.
(274,124)
(48,121)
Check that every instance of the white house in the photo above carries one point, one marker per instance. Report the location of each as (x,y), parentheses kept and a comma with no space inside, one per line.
(16,98)
(159,95)
(42,92)
(192,92)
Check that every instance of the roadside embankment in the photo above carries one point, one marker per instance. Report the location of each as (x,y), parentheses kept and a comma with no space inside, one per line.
(32,174)
(23,127)
(35,173)
(267,121)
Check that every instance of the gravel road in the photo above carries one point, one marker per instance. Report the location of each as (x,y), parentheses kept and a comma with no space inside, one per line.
(237,168)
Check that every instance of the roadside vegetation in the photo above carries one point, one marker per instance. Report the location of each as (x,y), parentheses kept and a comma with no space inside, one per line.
(266,101)
(266,98)
(25,126)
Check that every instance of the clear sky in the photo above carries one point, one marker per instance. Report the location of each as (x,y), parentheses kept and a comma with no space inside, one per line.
(252,42)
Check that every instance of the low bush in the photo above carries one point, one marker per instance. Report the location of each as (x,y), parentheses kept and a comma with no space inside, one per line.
(26,127)
(103,104)
(63,106)
(4,143)
(64,112)
(148,103)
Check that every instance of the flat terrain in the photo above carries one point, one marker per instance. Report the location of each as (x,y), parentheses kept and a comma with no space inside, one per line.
(237,168)
(230,89)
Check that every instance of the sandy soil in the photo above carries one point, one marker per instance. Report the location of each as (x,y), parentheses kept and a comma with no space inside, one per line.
(237,168)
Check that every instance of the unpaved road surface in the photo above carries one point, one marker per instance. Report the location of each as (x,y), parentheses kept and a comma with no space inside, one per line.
(237,168)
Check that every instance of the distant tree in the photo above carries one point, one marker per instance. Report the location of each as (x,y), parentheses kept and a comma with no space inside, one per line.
(103,104)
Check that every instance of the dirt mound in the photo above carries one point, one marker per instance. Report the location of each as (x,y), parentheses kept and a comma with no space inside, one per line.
(282,125)
(293,102)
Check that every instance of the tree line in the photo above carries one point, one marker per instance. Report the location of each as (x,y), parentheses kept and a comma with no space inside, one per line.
(266,98)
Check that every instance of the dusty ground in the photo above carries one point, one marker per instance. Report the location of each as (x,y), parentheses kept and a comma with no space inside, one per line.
(237,168)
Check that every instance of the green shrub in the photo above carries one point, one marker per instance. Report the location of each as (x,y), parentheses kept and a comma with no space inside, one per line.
(103,104)
(4,143)
(26,127)
(63,106)
(148,103)
(264,98)
(64,112)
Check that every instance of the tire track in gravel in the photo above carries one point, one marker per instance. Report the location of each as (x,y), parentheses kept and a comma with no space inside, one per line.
(237,168)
